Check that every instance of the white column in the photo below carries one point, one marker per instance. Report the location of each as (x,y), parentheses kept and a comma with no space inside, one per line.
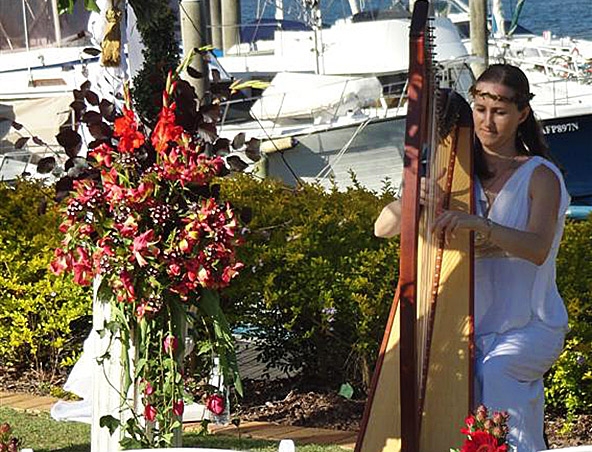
(108,379)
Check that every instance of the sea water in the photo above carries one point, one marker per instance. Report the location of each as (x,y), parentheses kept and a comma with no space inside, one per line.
(562,17)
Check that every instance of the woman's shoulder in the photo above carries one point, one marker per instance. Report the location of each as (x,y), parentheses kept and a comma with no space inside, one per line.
(545,169)
(547,181)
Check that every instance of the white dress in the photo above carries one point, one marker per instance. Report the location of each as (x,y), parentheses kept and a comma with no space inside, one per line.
(520,318)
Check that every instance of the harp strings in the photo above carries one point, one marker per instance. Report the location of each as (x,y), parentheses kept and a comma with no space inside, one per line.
(428,242)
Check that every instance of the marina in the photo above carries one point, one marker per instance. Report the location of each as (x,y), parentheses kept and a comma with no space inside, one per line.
(358,137)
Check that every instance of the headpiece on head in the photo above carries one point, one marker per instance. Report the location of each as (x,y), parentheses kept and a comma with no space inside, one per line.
(518,98)
(507,75)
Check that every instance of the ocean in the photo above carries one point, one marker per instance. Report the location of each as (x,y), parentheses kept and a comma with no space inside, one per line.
(562,17)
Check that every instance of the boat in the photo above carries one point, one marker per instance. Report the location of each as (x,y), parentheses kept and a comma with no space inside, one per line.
(559,69)
(44,57)
(328,117)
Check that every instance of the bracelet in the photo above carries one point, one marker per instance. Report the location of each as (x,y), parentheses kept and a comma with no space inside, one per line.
(489,225)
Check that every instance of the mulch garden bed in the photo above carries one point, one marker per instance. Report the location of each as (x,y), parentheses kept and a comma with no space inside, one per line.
(291,402)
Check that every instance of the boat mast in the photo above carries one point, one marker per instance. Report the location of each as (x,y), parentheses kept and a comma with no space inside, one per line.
(354,6)
(317,28)
(478,27)
(56,22)
(27,40)
(279,10)
(230,24)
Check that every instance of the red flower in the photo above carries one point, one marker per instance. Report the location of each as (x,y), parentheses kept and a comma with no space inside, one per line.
(170,344)
(82,268)
(166,130)
(126,129)
(470,423)
(150,413)
(178,408)
(124,287)
(482,442)
(103,154)
(216,404)
(141,246)
(148,389)
(61,262)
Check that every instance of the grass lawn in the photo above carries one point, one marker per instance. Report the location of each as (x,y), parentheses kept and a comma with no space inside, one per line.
(42,434)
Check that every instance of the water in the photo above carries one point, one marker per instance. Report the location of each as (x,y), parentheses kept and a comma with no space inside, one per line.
(563,17)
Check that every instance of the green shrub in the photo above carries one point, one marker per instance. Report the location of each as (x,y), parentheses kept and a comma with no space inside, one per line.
(569,384)
(317,285)
(316,289)
(36,308)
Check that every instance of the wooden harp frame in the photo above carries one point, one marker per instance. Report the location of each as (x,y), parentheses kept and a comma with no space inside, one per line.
(418,404)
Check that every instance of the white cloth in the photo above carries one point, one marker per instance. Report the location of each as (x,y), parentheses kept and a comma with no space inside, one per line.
(79,382)
(509,377)
(520,318)
(509,291)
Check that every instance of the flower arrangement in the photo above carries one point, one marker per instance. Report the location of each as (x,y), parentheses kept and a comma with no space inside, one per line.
(8,442)
(145,219)
(485,433)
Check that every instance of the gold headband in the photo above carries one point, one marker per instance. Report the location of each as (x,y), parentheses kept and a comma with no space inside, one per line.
(516,99)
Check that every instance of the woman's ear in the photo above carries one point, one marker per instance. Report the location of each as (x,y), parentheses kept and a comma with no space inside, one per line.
(524,114)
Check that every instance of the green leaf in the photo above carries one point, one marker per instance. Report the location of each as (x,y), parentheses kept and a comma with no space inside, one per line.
(203,348)
(346,390)
(210,305)
(140,364)
(91,5)
(110,422)
(128,443)
(66,6)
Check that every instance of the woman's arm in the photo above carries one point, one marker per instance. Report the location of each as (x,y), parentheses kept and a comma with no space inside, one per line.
(534,243)
(388,223)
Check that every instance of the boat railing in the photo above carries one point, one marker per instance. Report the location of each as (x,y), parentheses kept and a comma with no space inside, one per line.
(23,162)
(392,101)
(553,61)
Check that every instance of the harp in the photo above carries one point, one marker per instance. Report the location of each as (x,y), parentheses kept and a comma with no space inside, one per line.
(421,390)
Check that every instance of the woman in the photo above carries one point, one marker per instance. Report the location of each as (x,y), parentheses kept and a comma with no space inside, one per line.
(520,319)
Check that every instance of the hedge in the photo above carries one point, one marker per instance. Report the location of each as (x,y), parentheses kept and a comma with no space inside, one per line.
(315,292)
(36,308)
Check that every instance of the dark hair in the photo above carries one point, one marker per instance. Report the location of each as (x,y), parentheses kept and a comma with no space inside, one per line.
(529,137)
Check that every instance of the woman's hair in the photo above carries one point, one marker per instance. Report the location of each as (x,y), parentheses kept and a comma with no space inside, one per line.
(529,137)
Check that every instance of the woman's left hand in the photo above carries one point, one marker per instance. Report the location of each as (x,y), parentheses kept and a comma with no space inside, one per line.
(451,221)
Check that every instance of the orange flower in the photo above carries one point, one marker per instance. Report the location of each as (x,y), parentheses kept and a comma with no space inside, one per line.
(166,130)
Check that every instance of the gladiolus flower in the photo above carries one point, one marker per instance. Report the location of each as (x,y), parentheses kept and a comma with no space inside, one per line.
(178,408)
(82,267)
(166,130)
(216,404)
(126,129)
(150,413)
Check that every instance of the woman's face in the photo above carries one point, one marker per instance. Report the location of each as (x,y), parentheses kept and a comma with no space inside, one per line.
(496,118)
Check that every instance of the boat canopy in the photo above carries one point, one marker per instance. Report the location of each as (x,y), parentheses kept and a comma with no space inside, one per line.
(35,23)
(296,95)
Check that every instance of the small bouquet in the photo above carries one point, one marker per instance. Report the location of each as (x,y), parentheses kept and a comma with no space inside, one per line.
(8,442)
(485,433)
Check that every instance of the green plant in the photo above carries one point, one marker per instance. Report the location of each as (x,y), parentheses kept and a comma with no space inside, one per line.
(568,386)
(318,284)
(37,310)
